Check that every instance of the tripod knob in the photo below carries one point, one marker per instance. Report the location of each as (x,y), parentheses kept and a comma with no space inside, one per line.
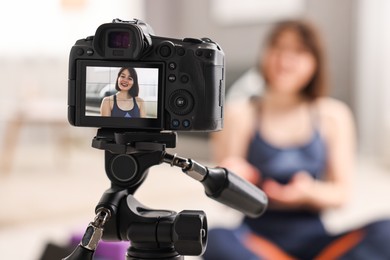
(123,168)
(190,227)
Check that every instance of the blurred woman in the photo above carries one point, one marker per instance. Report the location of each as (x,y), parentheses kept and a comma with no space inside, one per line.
(125,103)
(298,146)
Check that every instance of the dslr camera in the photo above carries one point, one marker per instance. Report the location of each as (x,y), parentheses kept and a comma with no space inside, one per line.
(126,77)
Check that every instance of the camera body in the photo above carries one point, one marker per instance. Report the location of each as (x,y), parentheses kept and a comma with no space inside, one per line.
(181,82)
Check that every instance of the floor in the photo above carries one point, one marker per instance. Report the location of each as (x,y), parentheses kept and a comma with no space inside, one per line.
(51,193)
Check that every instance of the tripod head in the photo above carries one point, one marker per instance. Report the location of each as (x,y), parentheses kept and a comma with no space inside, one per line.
(157,234)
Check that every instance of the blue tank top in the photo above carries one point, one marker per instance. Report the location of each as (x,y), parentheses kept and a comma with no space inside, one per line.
(117,112)
(286,227)
(281,164)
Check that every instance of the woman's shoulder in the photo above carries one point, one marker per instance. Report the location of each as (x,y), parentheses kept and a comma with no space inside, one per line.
(138,99)
(240,115)
(240,109)
(108,98)
(332,106)
(333,110)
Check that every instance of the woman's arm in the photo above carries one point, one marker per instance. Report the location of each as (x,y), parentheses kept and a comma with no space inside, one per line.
(105,107)
(231,144)
(233,139)
(341,145)
(141,105)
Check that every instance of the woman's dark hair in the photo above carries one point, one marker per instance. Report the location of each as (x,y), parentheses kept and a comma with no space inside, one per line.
(134,90)
(318,85)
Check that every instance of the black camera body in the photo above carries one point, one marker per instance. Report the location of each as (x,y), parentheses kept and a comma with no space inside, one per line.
(181,82)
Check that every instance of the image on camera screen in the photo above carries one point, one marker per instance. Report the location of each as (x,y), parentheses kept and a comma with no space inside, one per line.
(121,92)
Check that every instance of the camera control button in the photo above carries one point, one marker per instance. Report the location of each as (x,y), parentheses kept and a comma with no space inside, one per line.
(172,65)
(90,52)
(80,51)
(181,51)
(193,40)
(199,52)
(165,51)
(186,123)
(209,54)
(175,123)
(172,78)
(181,102)
(184,79)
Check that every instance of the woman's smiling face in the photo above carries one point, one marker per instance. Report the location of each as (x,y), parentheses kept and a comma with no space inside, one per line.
(125,80)
(288,64)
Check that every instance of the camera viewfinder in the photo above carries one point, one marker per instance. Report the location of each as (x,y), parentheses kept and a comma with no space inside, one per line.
(119,39)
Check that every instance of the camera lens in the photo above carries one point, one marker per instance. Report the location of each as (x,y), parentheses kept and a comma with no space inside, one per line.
(181,102)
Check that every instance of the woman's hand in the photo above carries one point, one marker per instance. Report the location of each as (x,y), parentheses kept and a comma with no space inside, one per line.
(242,168)
(295,194)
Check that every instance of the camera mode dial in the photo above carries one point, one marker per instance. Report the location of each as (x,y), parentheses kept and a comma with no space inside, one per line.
(166,49)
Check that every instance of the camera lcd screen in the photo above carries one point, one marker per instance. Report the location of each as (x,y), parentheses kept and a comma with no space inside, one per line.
(125,95)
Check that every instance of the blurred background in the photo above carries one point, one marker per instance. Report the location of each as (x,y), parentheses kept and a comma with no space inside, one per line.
(51,178)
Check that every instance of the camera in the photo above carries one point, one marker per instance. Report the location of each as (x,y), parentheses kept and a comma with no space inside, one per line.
(126,77)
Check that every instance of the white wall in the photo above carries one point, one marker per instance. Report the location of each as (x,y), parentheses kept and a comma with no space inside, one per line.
(373,77)
(36,37)
(50,27)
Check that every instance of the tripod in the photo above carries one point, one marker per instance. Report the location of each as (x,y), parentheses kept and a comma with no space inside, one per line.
(156,234)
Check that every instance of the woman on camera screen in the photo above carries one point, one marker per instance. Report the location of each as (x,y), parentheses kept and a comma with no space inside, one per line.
(125,103)
(298,146)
